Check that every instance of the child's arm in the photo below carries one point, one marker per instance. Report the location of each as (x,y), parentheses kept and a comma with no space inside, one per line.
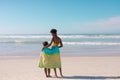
(61,44)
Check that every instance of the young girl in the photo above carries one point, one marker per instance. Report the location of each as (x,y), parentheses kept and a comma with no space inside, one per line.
(44,59)
(56,43)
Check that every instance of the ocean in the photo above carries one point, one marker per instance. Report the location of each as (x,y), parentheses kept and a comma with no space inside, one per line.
(30,45)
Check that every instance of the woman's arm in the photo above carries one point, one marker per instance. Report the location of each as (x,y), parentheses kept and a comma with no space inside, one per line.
(61,44)
(49,44)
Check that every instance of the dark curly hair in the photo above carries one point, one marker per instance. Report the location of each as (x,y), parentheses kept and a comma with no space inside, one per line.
(53,31)
(45,43)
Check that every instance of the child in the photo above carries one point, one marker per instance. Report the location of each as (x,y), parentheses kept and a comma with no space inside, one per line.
(56,43)
(43,64)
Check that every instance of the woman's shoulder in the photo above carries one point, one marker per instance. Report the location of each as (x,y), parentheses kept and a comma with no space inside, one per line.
(59,38)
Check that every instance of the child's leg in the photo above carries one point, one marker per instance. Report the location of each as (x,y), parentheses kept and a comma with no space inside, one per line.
(61,72)
(55,72)
(45,70)
(49,72)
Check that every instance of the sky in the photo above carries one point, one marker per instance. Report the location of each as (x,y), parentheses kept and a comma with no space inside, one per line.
(67,16)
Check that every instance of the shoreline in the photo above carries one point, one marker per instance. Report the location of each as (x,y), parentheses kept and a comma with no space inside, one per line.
(35,57)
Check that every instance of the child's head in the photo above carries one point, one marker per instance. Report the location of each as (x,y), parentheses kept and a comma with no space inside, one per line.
(45,43)
(53,32)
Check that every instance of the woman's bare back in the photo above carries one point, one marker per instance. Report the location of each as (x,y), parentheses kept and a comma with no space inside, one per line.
(56,40)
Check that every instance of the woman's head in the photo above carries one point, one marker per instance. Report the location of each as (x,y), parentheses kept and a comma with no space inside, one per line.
(53,32)
(45,43)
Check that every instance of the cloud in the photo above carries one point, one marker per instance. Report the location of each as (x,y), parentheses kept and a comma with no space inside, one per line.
(109,25)
(113,21)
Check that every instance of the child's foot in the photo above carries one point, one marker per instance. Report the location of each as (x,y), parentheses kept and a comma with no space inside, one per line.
(48,76)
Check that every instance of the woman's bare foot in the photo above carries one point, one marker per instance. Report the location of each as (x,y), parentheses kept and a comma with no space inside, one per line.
(61,75)
(56,75)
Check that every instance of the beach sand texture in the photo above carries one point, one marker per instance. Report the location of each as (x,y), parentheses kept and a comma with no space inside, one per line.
(74,68)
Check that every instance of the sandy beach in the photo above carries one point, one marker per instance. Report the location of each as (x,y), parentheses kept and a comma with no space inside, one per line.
(87,68)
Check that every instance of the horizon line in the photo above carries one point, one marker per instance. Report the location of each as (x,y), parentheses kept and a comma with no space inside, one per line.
(69,34)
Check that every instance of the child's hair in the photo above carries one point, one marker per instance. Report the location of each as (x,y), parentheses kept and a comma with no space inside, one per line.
(53,31)
(45,43)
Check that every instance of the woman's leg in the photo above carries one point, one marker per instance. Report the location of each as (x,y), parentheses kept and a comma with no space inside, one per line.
(45,70)
(55,72)
(61,72)
(49,72)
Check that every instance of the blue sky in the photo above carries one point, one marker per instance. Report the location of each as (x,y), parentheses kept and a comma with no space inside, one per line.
(68,16)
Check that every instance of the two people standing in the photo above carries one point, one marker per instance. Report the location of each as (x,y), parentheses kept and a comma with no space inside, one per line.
(50,58)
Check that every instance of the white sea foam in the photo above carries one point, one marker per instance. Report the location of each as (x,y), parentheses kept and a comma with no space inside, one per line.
(18,41)
(65,43)
(90,36)
(25,37)
(62,36)
(92,43)
(67,39)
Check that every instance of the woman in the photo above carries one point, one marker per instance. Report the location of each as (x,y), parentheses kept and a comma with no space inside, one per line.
(56,43)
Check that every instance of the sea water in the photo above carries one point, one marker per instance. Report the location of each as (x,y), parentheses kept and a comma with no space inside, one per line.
(20,45)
